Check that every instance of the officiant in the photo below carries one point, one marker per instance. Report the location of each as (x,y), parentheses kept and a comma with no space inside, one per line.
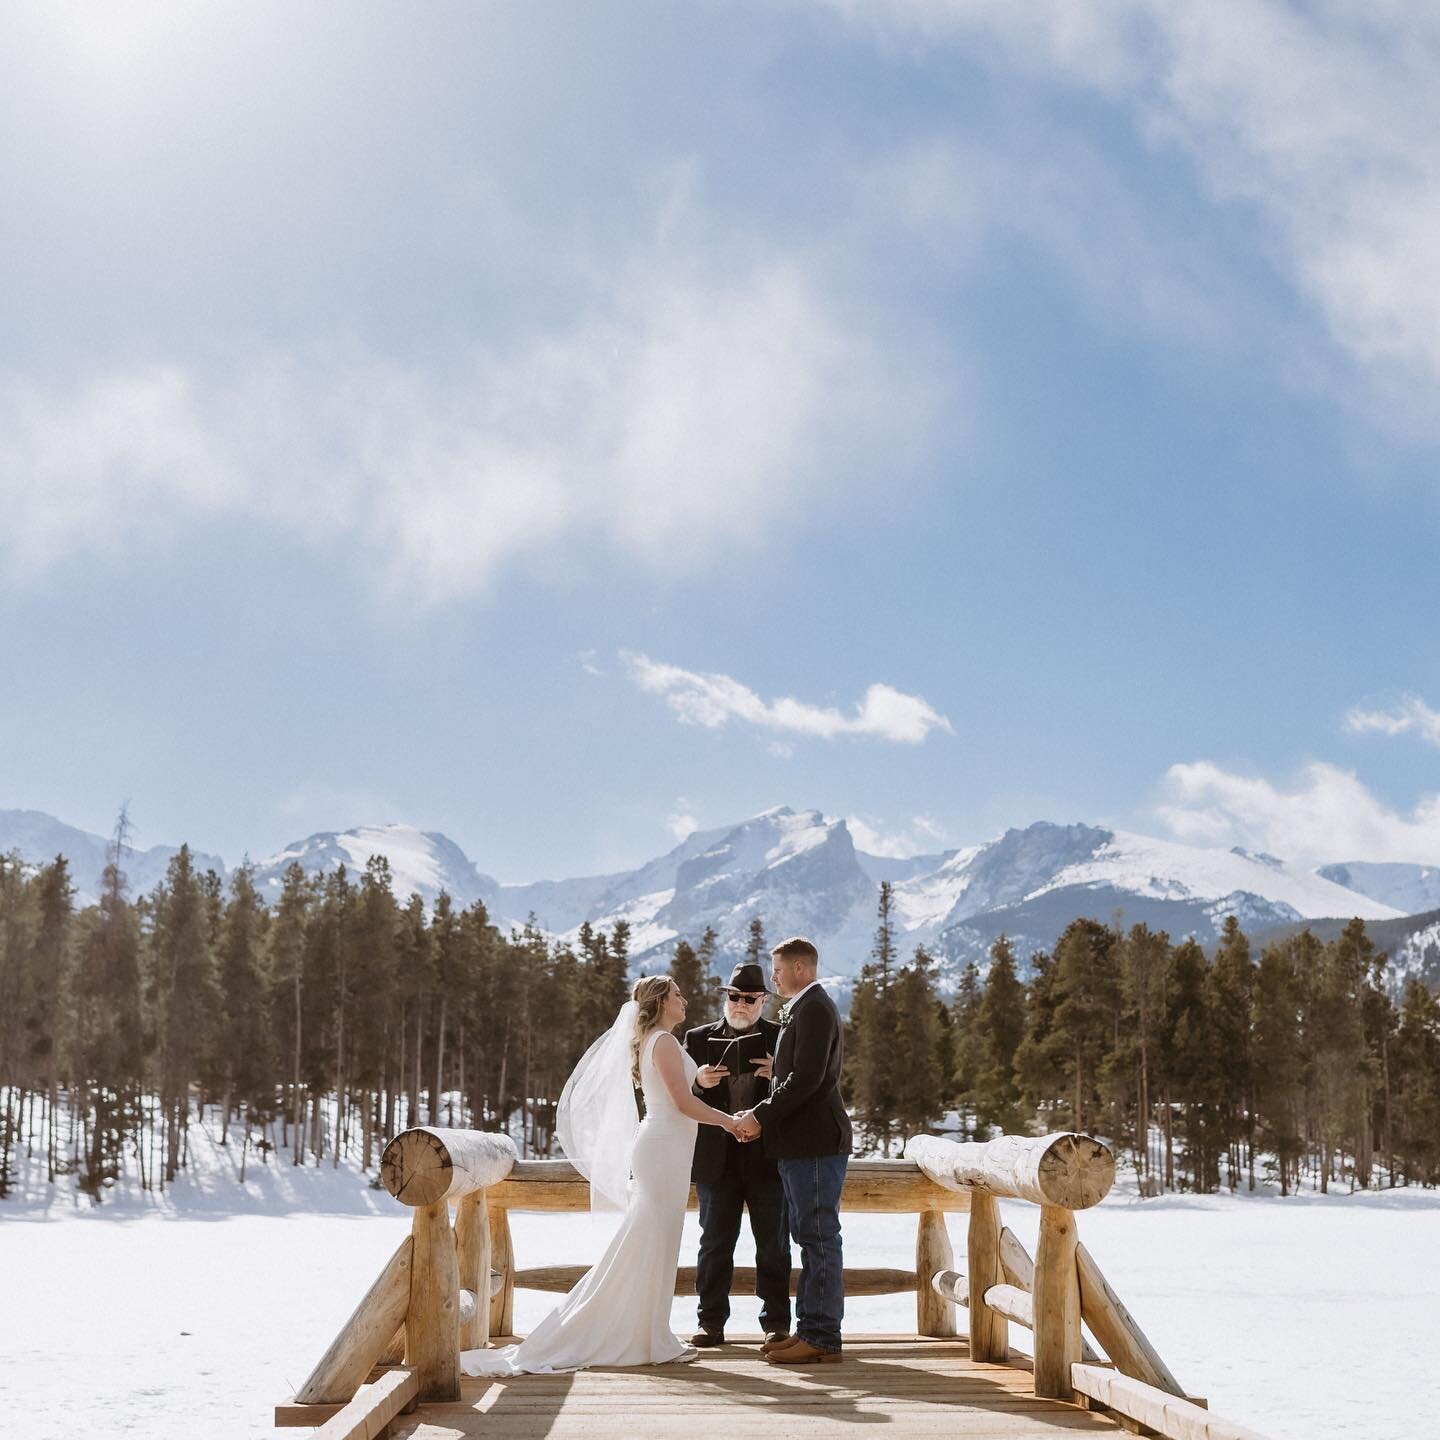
(731,1178)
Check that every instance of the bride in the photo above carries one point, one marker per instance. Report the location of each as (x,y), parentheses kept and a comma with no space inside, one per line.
(619,1312)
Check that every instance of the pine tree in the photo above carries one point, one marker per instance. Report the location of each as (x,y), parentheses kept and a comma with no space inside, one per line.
(1230,1005)
(1036,1071)
(1087,995)
(1277,1060)
(14,951)
(103,1039)
(287,974)
(184,996)
(244,1033)
(1337,1030)
(872,1043)
(1417,1084)
(1189,1067)
(686,972)
(1001,1030)
(756,951)
(919,1100)
(705,956)
(618,972)
(1144,966)
(967,1047)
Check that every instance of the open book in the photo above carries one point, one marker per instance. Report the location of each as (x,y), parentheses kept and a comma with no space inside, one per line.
(737,1053)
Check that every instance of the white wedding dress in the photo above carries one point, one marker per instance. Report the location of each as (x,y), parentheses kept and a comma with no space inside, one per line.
(619,1313)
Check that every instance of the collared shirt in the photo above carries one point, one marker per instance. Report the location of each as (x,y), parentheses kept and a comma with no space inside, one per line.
(794,1000)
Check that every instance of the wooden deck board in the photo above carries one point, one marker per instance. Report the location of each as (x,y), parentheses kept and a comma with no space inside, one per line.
(911,1387)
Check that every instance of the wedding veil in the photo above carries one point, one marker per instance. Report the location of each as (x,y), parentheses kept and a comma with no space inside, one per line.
(596,1119)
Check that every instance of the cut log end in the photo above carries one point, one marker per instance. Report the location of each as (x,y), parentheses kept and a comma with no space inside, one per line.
(429,1163)
(416,1168)
(1076,1171)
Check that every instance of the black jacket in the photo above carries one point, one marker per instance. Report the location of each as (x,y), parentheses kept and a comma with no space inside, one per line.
(713,1146)
(804,1114)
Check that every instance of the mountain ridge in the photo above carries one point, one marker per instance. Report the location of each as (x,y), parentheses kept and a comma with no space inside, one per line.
(801,871)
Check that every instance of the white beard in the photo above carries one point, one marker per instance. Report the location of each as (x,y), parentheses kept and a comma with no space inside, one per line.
(745,1022)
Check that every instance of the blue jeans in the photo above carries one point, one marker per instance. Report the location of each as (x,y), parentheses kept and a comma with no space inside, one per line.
(812,1200)
(721,1206)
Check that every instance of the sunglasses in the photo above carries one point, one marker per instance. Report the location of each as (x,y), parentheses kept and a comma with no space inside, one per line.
(747,996)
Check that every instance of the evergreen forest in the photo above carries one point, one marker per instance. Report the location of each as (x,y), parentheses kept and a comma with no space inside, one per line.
(311,1028)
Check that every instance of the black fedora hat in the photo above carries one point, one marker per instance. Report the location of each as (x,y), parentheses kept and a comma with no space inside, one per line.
(749,977)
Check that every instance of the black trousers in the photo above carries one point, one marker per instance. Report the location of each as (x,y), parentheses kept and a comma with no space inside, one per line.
(721,1205)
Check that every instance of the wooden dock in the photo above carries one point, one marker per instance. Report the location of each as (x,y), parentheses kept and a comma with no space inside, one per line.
(909,1386)
(394,1368)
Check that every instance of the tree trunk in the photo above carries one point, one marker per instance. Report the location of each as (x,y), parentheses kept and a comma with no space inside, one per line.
(439,1062)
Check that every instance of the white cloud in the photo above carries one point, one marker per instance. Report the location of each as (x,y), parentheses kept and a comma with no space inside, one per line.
(1411,713)
(680,823)
(921,836)
(1329,815)
(1321,121)
(713,700)
(683,420)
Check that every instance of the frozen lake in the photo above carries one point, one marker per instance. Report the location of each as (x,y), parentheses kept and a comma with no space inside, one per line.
(196,1314)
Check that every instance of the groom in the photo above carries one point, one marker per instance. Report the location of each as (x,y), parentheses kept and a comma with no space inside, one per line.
(806,1130)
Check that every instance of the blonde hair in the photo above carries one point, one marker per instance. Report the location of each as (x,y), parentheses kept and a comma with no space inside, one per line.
(650,994)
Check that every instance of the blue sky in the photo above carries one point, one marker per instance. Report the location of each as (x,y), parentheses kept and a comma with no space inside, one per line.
(563,425)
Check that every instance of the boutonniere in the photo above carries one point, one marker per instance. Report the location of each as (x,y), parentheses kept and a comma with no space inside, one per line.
(785,1011)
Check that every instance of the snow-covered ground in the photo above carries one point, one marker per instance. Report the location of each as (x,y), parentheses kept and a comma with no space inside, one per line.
(195,1313)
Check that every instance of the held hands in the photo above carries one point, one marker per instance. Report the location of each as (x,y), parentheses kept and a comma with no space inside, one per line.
(747,1127)
(709,1076)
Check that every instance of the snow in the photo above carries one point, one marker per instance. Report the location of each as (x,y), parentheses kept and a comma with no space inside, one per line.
(927,900)
(1419,950)
(412,857)
(1137,863)
(195,1311)
(645,931)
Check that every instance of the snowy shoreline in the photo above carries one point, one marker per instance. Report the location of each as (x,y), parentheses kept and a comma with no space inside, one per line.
(221,1298)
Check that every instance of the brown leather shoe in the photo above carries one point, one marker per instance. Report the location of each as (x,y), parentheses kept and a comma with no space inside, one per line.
(803,1353)
(776,1341)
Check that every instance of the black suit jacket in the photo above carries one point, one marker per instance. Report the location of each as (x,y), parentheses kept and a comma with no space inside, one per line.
(712,1144)
(803,1114)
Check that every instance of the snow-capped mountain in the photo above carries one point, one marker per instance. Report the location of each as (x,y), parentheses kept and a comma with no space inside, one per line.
(38,838)
(1409,888)
(799,871)
(1418,955)
(422,862)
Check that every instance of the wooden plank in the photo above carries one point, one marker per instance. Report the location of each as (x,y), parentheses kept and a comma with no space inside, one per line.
(1115,1328)
(428,1163)
(1068,1170)
(291,1414)
(1057,1304)
(874,1187)
(432,1326)
(1166,1414)
(1015,1262)
(989,1337)
(473,1251)
(933,1315)
(365,1336)
(502,1253)
(367,1415)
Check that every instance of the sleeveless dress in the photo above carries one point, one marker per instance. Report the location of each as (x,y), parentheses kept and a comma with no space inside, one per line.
(619,1312)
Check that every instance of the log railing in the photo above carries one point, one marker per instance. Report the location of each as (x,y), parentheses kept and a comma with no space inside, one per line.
(1062,1288)
(450,1288)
